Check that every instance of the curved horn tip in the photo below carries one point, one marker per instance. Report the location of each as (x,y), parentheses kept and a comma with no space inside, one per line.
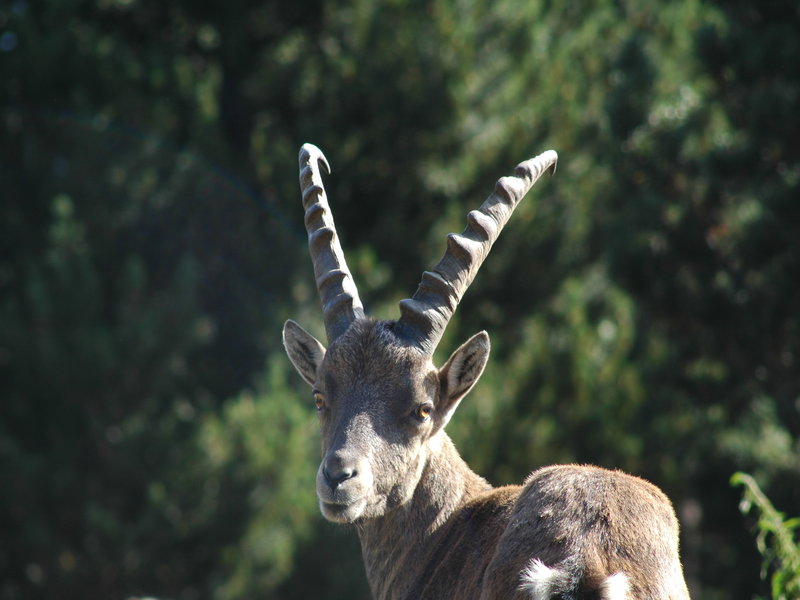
(310,151)
(537,166)
(551,156)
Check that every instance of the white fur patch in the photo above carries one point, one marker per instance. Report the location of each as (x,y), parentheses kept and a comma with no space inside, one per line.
(615,587)
(540,580)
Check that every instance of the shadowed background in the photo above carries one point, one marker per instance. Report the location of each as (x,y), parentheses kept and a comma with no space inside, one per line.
(643,303)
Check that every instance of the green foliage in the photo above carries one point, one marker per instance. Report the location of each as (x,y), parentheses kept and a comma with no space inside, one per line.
(275,479)
(642,303)
(775,540)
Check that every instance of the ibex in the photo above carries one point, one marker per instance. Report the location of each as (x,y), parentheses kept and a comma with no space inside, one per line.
(431,528)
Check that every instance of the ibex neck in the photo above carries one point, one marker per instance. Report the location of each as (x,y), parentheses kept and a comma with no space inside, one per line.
(394,546)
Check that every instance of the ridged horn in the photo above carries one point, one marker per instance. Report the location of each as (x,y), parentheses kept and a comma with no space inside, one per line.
(340,302)
(424,316)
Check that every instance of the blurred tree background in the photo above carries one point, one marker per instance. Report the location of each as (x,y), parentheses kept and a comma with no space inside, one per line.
(644,303)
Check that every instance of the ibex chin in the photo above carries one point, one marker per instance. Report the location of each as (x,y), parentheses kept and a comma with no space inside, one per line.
(431,528)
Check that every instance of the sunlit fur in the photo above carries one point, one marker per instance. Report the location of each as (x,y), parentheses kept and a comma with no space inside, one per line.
(615,587)
(541,581)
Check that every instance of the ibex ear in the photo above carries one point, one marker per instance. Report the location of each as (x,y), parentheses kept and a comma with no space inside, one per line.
(304,350)
(461,372)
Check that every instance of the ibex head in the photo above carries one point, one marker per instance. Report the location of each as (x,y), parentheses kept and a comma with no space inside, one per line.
(381,401)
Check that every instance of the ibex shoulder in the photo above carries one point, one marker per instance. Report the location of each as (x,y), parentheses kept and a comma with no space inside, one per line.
(588,488)
(586,520)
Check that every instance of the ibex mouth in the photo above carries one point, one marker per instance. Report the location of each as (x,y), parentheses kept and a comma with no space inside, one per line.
(342,513)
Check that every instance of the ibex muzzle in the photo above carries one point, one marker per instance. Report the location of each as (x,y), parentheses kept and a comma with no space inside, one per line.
(429,526)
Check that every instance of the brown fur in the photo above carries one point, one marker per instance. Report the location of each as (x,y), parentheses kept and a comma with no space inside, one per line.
(430,528)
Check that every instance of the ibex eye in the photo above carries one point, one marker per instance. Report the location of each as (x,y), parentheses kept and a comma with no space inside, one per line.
(319,400)
(423,412)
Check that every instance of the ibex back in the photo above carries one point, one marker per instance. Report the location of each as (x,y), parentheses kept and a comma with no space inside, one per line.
(430,528)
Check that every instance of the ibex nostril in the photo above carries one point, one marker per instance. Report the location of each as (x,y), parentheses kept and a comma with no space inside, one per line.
(338,475)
